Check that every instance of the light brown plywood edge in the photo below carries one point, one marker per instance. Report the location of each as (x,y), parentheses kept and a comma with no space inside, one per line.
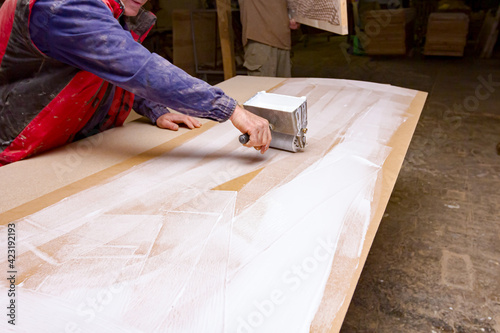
(391,169)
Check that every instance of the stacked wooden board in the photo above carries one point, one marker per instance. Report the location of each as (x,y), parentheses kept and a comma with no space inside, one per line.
(446,34)
(387,31)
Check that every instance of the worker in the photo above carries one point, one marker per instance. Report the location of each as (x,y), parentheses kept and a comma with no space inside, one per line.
(73,68)
(267,37)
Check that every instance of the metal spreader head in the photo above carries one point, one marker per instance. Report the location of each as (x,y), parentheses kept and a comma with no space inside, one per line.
(287,116)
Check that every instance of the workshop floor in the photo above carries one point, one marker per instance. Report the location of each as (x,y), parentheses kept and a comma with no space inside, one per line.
(435,262)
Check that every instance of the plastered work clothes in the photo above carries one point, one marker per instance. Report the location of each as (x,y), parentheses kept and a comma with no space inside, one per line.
(266,37)
(72,68)
(265,60)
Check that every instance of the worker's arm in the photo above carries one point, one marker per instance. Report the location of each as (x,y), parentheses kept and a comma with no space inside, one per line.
(160,115)
(84,34)
(293,25)
(243,120)
(256,127)
(149,109)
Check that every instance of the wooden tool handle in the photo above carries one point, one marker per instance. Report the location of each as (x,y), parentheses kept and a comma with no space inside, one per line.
(244,138)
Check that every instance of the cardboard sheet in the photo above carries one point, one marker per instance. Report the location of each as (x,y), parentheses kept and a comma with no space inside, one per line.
(196,217)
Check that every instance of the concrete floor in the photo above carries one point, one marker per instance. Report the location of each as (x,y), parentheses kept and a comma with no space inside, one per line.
(435,263)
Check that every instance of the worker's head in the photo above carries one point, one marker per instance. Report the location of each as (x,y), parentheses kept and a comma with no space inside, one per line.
(132,6)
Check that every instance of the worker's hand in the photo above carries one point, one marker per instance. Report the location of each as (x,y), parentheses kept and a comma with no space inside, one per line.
(170,121)
(256,127)
(294,25)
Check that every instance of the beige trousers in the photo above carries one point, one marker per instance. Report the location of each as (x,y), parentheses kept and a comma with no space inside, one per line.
(265,60)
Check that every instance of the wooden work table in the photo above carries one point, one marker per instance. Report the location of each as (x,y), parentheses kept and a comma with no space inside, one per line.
(32,189)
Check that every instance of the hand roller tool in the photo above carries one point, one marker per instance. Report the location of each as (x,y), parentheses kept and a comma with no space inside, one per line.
(287,116)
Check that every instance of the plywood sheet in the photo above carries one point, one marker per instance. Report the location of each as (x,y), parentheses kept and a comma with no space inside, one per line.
(163,244)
